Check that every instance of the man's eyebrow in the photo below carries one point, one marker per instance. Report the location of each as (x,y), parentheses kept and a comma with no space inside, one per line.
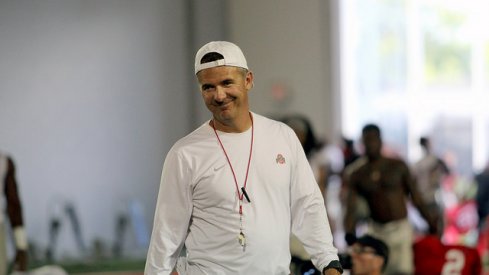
(227,80)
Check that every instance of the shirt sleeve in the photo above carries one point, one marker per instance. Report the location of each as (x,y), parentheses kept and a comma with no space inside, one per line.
(309,218)
(172,216)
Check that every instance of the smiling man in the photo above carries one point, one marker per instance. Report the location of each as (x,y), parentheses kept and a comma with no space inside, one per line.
(234,189)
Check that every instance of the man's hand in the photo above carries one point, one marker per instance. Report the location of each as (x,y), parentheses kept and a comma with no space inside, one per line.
(333,268)
(20,263)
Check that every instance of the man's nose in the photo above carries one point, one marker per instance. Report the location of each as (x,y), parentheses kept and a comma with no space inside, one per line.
(220,94)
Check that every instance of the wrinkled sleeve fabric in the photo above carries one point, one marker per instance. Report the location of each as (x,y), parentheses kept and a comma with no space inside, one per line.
(172,216)
(309,218)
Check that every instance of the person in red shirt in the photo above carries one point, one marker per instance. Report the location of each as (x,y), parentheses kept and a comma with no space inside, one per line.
(431,256)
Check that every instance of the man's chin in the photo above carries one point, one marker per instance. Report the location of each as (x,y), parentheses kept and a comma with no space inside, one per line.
(225,114)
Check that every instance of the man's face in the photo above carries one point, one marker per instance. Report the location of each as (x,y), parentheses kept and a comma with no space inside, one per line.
(372,143)
(365,261)
(225,92)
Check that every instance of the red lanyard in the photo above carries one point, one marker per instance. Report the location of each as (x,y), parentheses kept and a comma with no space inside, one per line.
(241,235)
(243,189)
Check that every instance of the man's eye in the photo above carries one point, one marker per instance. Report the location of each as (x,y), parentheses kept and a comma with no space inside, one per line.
(206,88)
(227,83)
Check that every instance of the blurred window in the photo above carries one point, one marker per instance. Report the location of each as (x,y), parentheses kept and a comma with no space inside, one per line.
(418,67)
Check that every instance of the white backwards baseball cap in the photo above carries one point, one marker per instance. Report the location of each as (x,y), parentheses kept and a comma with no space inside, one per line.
(232,56)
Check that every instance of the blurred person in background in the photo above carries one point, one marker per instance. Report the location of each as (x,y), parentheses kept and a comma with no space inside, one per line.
(431,256)
(385,184)
(458,194)
(14,214)
(349,152)
(482,195)
(429,172)
(482,202)
(366,256)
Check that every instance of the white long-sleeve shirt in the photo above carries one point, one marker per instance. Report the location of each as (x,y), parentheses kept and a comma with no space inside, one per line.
(198,204)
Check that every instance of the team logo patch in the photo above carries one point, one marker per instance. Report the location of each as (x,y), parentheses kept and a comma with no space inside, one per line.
(280,159)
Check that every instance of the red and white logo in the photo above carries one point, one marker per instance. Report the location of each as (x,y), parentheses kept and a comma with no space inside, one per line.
(280,159)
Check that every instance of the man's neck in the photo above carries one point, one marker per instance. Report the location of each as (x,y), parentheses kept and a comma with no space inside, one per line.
(233,126)
(374,158)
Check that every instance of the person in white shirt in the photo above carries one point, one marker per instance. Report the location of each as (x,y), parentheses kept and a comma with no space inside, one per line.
(234,189)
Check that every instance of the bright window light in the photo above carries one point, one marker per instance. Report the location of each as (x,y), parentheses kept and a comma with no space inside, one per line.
(418,67)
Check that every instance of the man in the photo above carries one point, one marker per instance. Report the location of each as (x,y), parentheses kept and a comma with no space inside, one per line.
(429,172)
(14,212)
(384,183)
(234,189)
(369,256)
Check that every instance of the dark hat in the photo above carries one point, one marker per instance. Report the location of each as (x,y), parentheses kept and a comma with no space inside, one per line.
(379,246)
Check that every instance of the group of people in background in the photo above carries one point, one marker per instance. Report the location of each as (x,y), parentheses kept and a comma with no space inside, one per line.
(384,197)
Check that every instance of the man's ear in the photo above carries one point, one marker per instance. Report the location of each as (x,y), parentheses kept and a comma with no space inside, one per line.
(249,80)
(381,263)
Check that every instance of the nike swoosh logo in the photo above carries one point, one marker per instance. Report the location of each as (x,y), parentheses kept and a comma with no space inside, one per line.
(219,167)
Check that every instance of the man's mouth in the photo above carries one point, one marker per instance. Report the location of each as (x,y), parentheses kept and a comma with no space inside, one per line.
(223,104)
